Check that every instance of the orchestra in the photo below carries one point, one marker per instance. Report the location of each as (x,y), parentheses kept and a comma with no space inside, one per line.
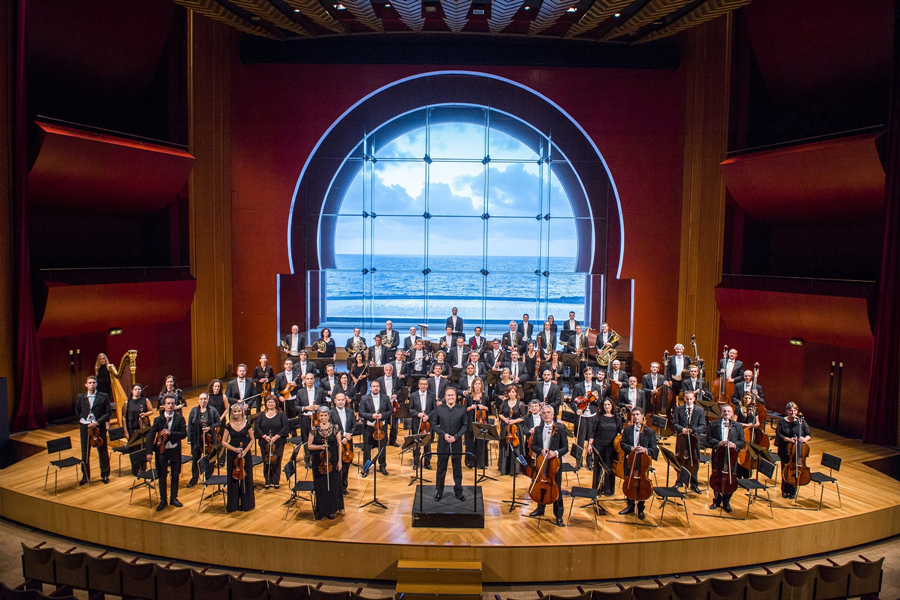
(439,389)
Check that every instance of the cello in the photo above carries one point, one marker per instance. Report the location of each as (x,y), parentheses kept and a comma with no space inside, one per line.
(543,488)
(753,433)
(724,388)
(760,409)
(685,446)
(637,485)
(795,472)
(722,479)
(663,400)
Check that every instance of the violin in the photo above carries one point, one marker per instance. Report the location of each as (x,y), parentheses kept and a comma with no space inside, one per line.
(637,485)
(207,441)
(722,479)
(96,439)
(529,456)
(512,435)
(795,472)
(288,390)
(161,441)
(238,472)
(543,488)
(378,434)
(271,457)
(424,426)
(395,406)
(480,415)
(325,466)
(347,452)
(582,402)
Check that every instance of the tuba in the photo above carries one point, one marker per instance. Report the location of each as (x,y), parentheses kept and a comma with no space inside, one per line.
(608,353)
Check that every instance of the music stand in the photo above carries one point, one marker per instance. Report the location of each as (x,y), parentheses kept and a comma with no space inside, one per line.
(571,361)
(711,408)
(660,423)
(415,442)
(492,378)
(374,373)
(321,363)
(607,472)
(455,374)
(518,460)
(671,461)
(372,465)
(487,433)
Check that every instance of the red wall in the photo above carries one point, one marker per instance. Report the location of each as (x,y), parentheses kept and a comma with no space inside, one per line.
(635,117)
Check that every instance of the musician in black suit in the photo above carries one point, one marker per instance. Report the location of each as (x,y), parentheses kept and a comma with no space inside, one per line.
(438,384)
(459,354)
(293,343)
(93,411)
(417,363)
(241,389)
(410,340)
(525,328)
(678,364)
(552,441)
(572,344)
(355,341)
(399,364)
(289,404)
(303,365)
(309,399)
(517,370)
(172,424)
(586,418)
(632,396)
(640,439)
(731,367)
(201,420)
(568,328)
(474,359)
(653,379)
(616,373)
(421,405)
(606,337)
(723,433)
(455,322)
(390,387)
(379,354)
(547,392)
(373,407)
(477,342)
(533,418)
(345,419)
(546,339)
(388,334)
(746,385)
(692,382)
(512,339)
(449,423)
(465,381)
(329,382)
(494,356)
(262,374)
(690,419)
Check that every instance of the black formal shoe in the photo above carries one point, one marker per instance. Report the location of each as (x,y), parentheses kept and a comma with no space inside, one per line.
(346,493)
(641,514)
(394,444)
(459,496)
(714,506)
(727,507)
(383,471)
(162,505)
(784,494)
(330,517)
(191,483)
(438,496)
(559,522)
(428,466)
(83,481)
(538,512)
(104,479)
(696,489)
(628,510)
(176,503)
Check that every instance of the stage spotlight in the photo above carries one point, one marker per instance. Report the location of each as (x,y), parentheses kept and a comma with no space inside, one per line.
(796,342)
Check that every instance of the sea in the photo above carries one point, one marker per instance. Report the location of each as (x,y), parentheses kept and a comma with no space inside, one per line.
(395,288)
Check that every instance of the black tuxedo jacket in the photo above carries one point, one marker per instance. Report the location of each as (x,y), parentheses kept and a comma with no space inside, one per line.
(522,370)
(367,407)
(714,434)
(233,393)
(454,354)
(463,383)
(567,331)
(558,441)
(177,432)
(394,342)
(477,344)
(622,378)
(572,345)
(640,398)
(194,424)
(673,371)
(528,424)
(349,345)
(301,342)
(507,344)
(452,421)
(491,357)
(458,327)
(601,340)
(101,409)
(737,373)
(739,388)
(281,381)
(416,406)
(326,385)
(399,370)
(310,367)
(646,440)
(409,342)
(647,382)
(526,330)
(395,385)
(554,396)
(603,392)
(696,423)
(541,341)
(303,399)
(438,389)
(381,352)
(351,419)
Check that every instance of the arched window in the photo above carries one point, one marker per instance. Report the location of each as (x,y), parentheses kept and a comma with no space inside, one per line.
(455,205)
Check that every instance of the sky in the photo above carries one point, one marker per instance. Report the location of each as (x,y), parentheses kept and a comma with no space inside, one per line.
(456,194)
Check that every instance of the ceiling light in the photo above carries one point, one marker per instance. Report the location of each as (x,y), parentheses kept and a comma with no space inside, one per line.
(796,342)
(572,9)
(527,8)
(340,6)
(617,15)
(296,10)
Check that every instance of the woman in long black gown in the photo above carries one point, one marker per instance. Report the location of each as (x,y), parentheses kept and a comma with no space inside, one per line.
(238,440)
(359,373)
(271,428)
(511,412)
(476,400)
(328,485)
(329,344)
(608,426)
(345,386)
(136,407)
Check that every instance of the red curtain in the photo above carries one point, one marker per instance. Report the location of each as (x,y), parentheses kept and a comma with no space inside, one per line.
(29,406)
(884,386)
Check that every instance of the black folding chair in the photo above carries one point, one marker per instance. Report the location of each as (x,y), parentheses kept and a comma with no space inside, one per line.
(209,480)
(674,495)
(832,463)
(59,445)
(297,488)
(116,434)
(754,486)
(143,478)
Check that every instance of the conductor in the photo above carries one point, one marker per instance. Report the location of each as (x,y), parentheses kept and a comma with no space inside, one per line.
(449,422)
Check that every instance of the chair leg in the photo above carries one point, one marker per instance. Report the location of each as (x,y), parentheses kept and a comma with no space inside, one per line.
(131,497)
(202,493)
(571,506)
(769,498)
(289,503)
(687,515)
(662,512)
(749,502)
(821,495)
(838,488)
(46,477)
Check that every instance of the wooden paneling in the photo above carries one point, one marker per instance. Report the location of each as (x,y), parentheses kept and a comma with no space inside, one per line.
(707,66)
(209,45)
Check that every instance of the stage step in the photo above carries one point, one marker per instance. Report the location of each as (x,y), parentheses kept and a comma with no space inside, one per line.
(431,580)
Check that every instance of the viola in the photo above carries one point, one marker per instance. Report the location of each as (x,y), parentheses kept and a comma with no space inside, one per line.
(480,415)
(512,435)
(378,434)
(722,479)
(529,456)
(271,457)
(288,390)
(424,426)
(395,406)
(239,462)
(663,401)
(637,485)
(347,452)
(543,488)
(325,466)
(161,441)
(96,439)
(207,441)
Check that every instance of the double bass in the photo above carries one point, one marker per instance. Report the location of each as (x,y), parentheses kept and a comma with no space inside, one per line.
(686,445)
(724,388)
(637,485)
(662,400)
(795,472)
(722,479)
(543,488)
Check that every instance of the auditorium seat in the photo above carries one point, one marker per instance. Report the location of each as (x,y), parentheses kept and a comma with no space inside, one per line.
(623,593)
(37,564)
(317,594)
(865,577)
(288,592)
(727,589)
(248,589)
(661,592)
(173,584)
(696,590)
(833,581)
(799,584)
(764,586)
(103,575)
(209,587)
(138,580)
(69,569)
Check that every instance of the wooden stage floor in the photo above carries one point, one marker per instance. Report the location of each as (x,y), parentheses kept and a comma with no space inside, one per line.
(368,542)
